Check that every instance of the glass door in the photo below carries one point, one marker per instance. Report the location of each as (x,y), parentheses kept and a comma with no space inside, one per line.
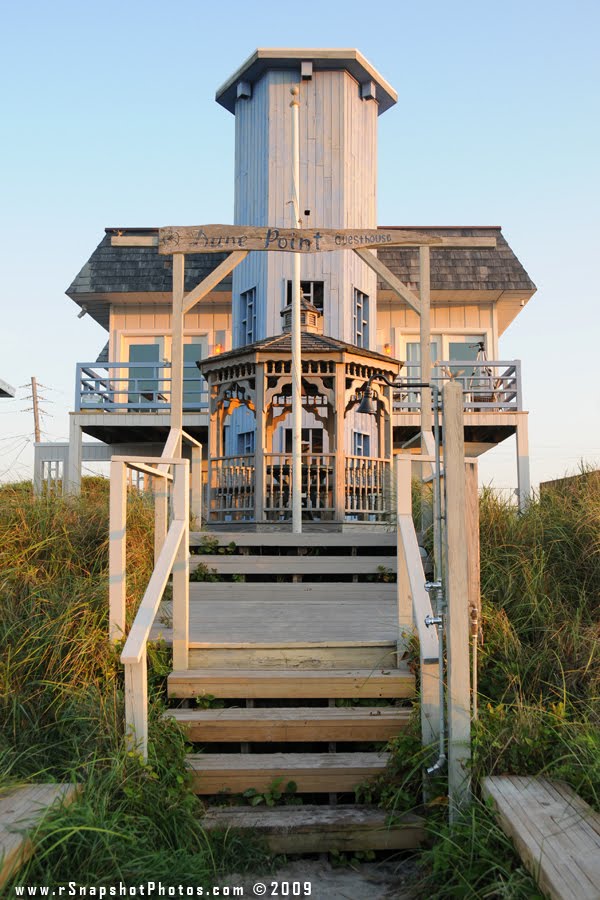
(195,395)
(144,374)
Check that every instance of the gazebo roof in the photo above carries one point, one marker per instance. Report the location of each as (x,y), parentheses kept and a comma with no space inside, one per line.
(311,345)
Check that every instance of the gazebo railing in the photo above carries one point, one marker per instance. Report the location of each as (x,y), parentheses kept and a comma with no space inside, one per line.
(231,483)
(318,481)
(368,486)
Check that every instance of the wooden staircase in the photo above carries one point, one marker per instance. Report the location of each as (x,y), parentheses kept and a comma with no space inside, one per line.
(291,663)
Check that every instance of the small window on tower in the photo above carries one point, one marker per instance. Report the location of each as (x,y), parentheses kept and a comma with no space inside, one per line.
(360,313)
(247,321)
(312,291)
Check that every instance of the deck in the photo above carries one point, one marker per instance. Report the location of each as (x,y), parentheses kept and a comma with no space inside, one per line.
(22,809)
(555,832)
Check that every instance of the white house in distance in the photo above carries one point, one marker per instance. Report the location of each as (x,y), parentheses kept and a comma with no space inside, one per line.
(357,323)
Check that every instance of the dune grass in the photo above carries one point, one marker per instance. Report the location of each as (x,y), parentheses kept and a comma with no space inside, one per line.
(62,707)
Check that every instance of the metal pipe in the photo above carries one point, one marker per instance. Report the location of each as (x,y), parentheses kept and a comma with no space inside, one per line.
(296,334)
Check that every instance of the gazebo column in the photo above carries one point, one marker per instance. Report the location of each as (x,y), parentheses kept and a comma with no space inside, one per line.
(260,446)
(340,444)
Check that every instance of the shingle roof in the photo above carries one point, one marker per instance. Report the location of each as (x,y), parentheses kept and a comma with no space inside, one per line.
(113,270)
(480,269)
(311,343)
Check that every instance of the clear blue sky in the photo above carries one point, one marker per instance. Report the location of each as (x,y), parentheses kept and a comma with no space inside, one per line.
(108,118)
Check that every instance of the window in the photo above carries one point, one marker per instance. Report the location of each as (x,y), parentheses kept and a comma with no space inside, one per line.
(247,326)
(312,440)
(194,386)
(312,291)
(245,443)
(361,443)
(360,314)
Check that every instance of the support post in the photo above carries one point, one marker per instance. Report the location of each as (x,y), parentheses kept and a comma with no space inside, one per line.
(403,508)
(73,473)
(339,460)
(196,484)
(181,567)
(260,445)
(117,559)
(136,705)
(425,342)
(161,514)
(523,477)
(457,598)
(177,347)
(296,333)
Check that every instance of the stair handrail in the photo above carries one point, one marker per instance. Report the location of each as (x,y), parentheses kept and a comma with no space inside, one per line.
(171,557)
(414,603)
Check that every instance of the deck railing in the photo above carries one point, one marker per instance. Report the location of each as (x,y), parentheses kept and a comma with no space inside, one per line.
(171,557)
(488,385)
(139,387)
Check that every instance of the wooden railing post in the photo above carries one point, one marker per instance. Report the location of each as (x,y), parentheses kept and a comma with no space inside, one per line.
(117,586)
(181,568)
(457,597)
(403,508)
(196,484)
(136,705)
(161,514)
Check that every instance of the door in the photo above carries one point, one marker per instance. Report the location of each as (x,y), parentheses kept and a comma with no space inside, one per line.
(144,374)
(194,386)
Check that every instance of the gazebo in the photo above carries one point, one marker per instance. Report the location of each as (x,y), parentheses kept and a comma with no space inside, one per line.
(346,458)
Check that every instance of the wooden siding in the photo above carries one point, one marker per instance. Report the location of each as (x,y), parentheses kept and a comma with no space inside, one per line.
(156,320)
(338,169)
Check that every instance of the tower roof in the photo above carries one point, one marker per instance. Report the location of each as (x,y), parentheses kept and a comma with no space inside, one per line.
(263,59)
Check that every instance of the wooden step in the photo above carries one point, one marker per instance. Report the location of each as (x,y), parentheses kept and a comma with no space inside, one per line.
(297,724)
(229,592)
(319,773)
(297,655)
(316,829)
(287,683)
(246,564)
(276,539)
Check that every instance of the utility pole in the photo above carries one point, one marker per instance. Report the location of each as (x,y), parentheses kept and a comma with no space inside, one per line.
(36,410)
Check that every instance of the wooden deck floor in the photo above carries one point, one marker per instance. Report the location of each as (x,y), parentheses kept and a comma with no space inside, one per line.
(556,833)
(21,810)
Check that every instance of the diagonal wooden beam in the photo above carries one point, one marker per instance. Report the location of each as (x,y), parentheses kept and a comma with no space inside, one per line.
(211,281)
(388,276)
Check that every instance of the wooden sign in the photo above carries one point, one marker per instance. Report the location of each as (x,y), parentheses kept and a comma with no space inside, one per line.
(226,238)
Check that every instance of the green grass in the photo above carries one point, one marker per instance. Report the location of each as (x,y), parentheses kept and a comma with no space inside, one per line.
(62,708)
(539,683)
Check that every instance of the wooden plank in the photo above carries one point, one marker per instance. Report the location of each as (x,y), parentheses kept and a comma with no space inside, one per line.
(312,772)
(390,279)
(117,553)
(298,724)
(277,539)
(555,832)
(294,565)
(222,238)
(318,656)
(22,809)
(457,586)
(313,829)
(369,592)
(134,240)
(288,683)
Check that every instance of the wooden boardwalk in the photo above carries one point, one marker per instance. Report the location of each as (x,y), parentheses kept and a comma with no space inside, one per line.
(555,832)
(21,810)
